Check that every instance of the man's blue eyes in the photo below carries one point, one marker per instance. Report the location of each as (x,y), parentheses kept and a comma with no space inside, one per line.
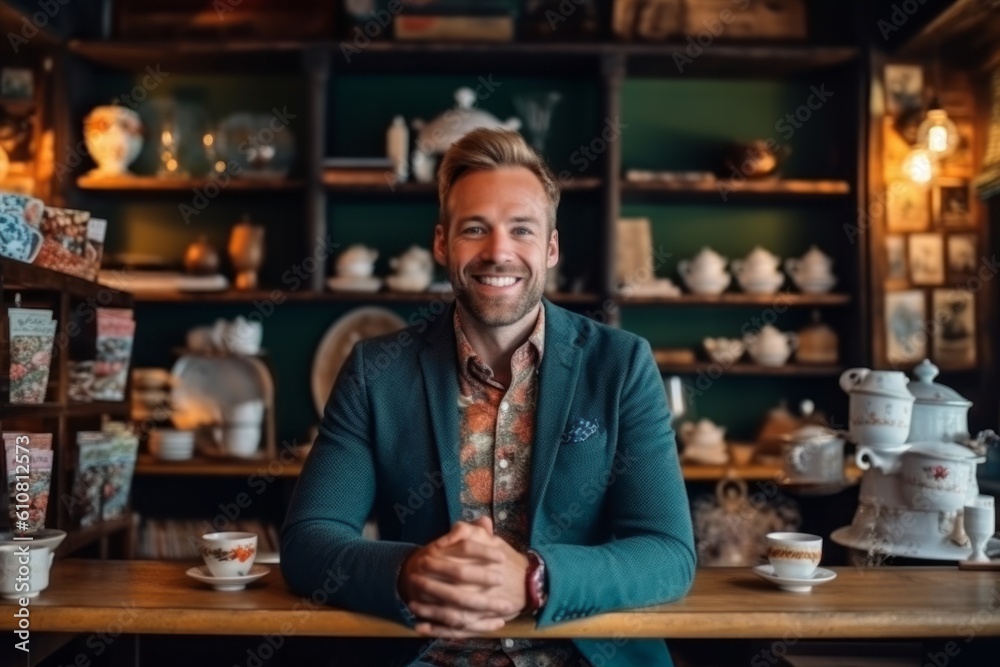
(520,231)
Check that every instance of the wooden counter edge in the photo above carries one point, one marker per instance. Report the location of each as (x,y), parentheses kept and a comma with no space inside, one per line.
(650,624)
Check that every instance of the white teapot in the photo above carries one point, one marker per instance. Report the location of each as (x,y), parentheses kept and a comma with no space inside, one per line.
(704,433)
(881,406)
(414,270)
(812,273)
(705,273)
(930,476)
(758,263)
(358,261)
(770,347)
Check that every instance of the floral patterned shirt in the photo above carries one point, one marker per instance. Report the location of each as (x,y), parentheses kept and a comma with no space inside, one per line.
(496,426)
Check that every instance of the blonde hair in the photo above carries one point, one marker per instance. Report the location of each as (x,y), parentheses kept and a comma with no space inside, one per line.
(486,149)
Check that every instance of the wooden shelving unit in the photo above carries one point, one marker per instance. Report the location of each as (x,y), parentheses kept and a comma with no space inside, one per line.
(724,188)
(231,296)
(158,184)
(744,368)
(148,465)
(789,299)
(62,292)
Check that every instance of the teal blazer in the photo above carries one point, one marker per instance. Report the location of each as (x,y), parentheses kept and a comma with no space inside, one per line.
(608,507)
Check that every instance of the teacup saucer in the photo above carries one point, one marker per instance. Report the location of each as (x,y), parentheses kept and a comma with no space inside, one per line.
(46,537)
(820,576)
(237,583)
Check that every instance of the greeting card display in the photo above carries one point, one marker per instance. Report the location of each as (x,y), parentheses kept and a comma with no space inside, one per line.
(73,242)
(88,482)
(115,333)
(124,445)
(32,332)
(28,459)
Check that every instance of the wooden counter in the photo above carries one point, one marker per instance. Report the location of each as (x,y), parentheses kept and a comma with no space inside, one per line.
(158,598)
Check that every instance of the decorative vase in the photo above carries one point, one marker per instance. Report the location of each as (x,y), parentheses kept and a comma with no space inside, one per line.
(246,250)
(113,135)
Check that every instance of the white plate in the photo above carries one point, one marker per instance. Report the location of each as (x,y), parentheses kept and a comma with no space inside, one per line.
(47,537)
(943,550)
(820,576)
(339,339)
(202,574)
(205,388)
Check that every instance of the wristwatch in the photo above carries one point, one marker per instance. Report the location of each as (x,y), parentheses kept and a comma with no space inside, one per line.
(535,584)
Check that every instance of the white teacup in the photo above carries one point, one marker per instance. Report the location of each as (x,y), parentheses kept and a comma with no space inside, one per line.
(241,440)
(229,554)
(24,570)
(794,555)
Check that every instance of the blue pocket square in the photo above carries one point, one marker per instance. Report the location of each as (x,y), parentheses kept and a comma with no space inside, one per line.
(579,431)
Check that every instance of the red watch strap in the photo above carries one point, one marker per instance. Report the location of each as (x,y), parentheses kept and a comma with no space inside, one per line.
(535,582)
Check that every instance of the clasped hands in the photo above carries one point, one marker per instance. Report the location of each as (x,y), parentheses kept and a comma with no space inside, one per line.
(464,583)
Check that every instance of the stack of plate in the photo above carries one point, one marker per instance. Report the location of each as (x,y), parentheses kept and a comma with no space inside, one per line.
(171,445)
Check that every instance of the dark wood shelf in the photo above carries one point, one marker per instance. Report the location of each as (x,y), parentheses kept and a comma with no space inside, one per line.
(739,299)
(745,368)
(149,465)
(305,296)
(77,538)
(752,57)
(162,184)
(53,410)
(581,184)
(18,276)
(724,189)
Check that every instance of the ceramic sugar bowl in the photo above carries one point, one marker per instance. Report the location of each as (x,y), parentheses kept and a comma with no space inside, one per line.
(940,414)
(881,406)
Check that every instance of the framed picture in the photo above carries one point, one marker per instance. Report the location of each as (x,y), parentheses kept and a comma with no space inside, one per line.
(17,83)
(926,259)
(904,85)
(952,202)
(895,256)
(905,326)
(955,328)
(907,207)
(634,252)
(963,256)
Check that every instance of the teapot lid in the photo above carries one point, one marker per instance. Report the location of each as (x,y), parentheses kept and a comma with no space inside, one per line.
(951,451)
(439,134)
(929,392)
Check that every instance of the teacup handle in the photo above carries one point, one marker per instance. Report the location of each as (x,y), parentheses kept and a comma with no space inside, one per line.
(796,455)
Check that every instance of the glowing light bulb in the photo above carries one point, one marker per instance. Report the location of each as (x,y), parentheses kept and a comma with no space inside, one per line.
(938,133)
(919,166)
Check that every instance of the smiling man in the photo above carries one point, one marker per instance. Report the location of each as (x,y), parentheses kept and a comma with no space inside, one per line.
(519,458)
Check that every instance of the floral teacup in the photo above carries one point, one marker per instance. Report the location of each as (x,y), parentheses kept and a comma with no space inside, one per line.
(228,554)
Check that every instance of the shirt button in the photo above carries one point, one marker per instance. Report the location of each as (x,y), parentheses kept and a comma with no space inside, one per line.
(505,406)
(504,463)
(508,643)
(502,516)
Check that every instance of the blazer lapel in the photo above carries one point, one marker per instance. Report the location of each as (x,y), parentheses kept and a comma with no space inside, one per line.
(439,369)
(557,385)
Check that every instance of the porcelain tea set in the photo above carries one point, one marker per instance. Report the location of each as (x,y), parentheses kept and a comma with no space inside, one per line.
(704,442)
(413,271)
(758,273)
(919,464)
(37,554)
(229,561)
